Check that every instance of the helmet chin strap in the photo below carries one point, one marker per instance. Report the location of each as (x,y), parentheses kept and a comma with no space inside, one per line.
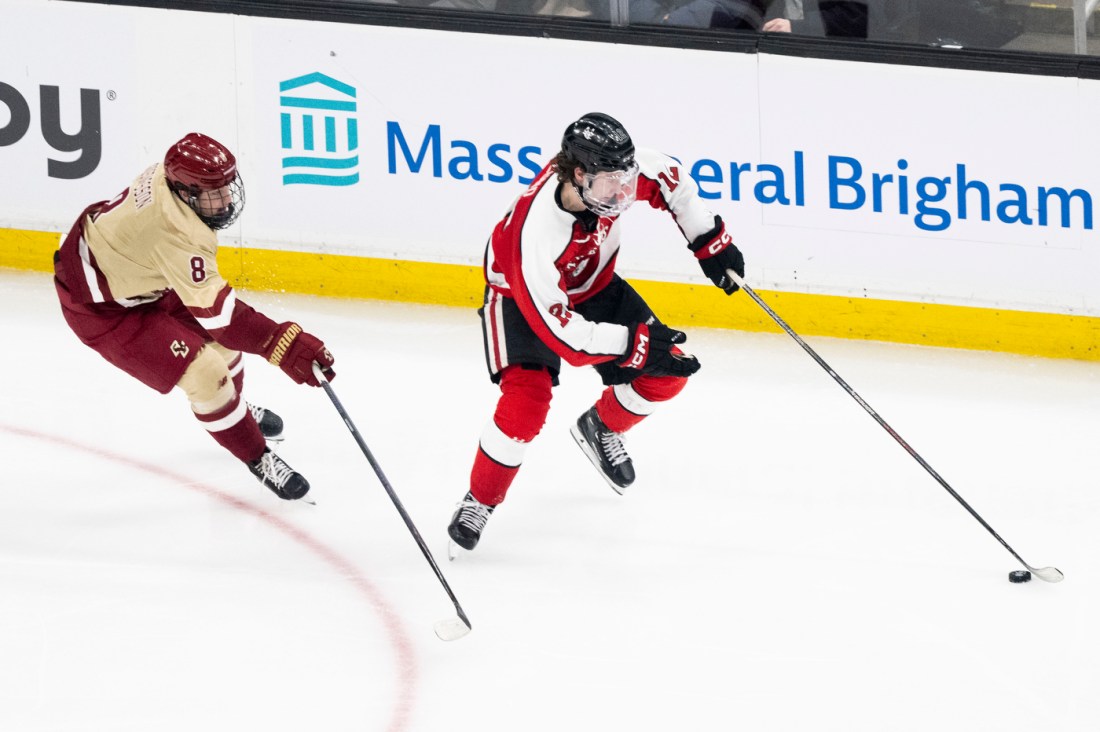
(219,220)
(579,191)
(581,194)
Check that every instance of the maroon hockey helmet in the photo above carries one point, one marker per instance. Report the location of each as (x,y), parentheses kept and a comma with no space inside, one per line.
(196,164)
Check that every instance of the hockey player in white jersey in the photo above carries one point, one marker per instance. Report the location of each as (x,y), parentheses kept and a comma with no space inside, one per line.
(552,293)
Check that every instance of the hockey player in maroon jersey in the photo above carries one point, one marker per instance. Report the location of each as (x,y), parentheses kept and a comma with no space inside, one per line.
(138,281)
(552,294)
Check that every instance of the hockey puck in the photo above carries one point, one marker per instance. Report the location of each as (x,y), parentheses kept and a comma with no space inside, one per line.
(1019,575)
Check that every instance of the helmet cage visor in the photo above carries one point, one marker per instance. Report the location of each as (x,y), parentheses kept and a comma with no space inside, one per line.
(610,192)
(218,207)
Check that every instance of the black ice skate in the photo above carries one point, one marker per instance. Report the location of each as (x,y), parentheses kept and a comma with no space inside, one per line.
(605,449)
(279,477)
(468,522)
(271,424)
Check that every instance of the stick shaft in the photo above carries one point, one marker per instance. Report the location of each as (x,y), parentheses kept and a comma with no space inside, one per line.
(389,489)
(867,407)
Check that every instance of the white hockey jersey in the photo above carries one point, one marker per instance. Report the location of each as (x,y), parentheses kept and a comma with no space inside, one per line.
(548,259)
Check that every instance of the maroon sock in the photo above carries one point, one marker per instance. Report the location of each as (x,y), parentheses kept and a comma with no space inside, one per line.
(233,428)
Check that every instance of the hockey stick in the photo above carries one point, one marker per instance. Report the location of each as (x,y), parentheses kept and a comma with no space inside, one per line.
(448,629)
(1048,574)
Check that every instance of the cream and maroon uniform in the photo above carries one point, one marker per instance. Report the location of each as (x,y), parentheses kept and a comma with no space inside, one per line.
(552,294)
(138,281)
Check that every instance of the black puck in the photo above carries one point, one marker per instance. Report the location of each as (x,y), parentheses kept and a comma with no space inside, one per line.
(1019,575)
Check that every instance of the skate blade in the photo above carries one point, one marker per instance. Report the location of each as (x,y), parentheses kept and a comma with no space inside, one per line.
(453,550)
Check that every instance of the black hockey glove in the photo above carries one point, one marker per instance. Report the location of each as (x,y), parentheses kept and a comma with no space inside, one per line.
(651,351)
(716,253)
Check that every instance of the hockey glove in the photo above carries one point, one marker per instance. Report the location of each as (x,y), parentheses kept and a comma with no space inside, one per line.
(652,350)
(716,253)
(294,351)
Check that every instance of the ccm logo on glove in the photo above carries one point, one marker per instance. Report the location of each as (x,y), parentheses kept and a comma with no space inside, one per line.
(717,253)
(723,241)
(653,351)
(639,350)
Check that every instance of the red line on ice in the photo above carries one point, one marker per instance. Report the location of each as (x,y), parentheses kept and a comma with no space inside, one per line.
(406,661)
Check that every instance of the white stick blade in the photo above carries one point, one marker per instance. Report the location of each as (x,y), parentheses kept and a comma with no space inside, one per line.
(1049,574)
(451,629)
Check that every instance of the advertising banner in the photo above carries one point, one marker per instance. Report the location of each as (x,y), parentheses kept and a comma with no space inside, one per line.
(413,144)
(835,178)
(90,95)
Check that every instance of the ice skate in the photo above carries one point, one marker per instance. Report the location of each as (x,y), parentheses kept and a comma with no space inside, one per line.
(467,524)
(275,474)
(605,449)
(271,424)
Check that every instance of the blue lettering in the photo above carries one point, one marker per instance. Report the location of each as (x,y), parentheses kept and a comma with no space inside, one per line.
(394,134)
(903,188)
(877,182)
(932,190)
(528,164)
(1019,204)
(1064,196)
(799,180)
(470,161)
(735,179)
(966,186)
(836,182)
(760,190)
(505,167)
(713,176)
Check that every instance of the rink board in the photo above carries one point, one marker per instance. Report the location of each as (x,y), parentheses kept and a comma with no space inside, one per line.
(1035,334)
(377,160)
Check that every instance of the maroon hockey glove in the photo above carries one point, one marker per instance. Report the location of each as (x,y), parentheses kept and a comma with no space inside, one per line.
(652,350)
(716,253)
(294,351)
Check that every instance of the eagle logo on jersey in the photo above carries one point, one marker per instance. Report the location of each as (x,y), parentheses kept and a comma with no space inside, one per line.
(180,349)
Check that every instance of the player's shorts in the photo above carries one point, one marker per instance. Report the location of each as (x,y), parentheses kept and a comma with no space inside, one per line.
(154,342)
(509,340)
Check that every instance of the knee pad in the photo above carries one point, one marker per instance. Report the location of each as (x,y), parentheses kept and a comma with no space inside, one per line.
(234,360)
(524,402)
(658,388)
(207,382)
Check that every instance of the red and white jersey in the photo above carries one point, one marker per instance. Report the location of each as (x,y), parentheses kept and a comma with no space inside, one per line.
(549,259)
(142,243)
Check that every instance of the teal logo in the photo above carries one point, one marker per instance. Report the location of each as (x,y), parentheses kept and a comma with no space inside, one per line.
(320,132)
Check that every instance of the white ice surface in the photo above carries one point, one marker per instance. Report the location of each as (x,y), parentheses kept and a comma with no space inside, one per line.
(780,563)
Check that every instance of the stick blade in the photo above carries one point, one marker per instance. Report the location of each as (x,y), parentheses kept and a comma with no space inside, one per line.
(1049,574)
(450,629)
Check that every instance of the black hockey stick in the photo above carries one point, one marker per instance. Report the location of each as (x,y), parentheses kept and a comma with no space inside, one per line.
(1048,574)
(448,629)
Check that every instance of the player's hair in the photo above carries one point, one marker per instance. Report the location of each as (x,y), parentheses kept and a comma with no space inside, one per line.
(565,165)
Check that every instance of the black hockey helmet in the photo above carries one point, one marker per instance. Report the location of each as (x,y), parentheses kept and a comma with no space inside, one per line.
(598,142)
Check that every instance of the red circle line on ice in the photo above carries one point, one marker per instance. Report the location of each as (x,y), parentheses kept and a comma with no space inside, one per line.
(344,568)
